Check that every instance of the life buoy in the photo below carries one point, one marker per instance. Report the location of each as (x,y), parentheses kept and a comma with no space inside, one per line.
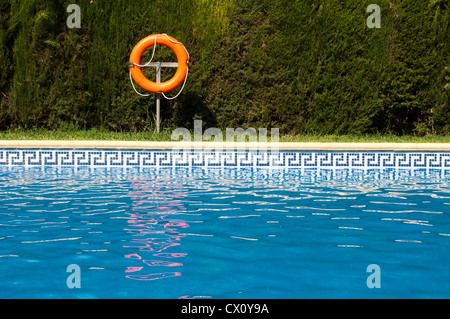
(178,49)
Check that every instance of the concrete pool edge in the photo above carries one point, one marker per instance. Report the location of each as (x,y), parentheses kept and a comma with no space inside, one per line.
(282,146)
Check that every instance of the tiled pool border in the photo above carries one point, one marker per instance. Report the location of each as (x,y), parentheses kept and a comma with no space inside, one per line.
(200,158)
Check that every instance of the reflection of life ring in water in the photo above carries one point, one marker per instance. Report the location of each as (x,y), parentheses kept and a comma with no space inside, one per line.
(155,229)
(154,276)
(152,40)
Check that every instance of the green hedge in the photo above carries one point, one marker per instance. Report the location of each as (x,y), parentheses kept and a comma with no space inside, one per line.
(302,66)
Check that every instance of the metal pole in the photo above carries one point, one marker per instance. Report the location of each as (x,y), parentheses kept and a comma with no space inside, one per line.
(158,97)
(158,66)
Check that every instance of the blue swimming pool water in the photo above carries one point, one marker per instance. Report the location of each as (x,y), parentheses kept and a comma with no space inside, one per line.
(224,233)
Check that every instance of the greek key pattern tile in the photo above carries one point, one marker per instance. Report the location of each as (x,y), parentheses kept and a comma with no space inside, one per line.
(224,159)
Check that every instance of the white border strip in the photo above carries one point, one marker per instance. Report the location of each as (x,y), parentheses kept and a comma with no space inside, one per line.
(285,146)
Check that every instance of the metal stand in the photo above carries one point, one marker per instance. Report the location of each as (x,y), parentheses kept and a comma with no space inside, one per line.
(158,66)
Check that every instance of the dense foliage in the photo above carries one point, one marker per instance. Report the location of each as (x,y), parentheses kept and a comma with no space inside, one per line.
(302,66)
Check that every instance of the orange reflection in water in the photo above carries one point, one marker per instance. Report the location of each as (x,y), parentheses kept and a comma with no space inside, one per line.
(155,230)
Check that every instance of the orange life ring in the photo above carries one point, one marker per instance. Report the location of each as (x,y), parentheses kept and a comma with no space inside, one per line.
(168,41)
